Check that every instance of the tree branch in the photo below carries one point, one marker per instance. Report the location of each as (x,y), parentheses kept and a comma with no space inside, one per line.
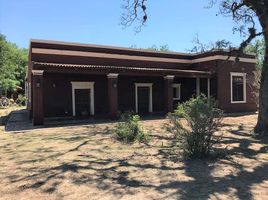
(135,10)
(245,43)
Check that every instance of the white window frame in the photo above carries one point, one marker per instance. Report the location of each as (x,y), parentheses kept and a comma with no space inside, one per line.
(244,86)
(150,86)
(83,85)
(177,85)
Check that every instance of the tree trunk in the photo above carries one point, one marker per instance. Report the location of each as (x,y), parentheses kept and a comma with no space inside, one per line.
(262,124)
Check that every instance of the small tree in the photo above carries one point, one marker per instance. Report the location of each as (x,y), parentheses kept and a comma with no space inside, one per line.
(194,124)
(129,129)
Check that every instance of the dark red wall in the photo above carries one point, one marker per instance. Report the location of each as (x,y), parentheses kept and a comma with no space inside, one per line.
(106,61)
(224,86)
(58,100)
(126,92)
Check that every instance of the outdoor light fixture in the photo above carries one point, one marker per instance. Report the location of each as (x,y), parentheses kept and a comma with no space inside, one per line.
(54,85)
(115,84)
(38,84)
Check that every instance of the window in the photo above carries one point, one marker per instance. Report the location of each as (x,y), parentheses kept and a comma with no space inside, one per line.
(176,91)
(238,87)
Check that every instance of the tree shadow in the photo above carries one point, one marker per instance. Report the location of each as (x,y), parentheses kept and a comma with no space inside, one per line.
(115,175)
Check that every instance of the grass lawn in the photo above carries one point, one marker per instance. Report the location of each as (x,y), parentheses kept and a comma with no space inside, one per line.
(85,162)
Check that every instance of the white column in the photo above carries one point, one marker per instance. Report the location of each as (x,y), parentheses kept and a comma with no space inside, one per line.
(197,86)
(208,87)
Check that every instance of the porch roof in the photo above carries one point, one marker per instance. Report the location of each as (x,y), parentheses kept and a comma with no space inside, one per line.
(102,69)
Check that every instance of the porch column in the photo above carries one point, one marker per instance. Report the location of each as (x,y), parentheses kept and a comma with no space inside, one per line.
(112,95)
(168,93)
(38,105)
(197,86)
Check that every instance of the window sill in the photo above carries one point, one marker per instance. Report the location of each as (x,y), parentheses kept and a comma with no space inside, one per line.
(235,102)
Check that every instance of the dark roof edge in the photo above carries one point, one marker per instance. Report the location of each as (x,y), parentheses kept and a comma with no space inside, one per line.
(107,47)
(77,44)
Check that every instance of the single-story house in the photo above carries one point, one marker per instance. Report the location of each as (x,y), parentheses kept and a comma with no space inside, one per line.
(83,80)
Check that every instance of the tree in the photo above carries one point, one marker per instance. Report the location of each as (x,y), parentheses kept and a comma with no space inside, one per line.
(13,62)
(160,48)
(257,48)
(200,47)
(244,13)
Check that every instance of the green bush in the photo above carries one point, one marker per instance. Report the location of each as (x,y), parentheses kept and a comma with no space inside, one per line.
(21,100)
(194,124)
(129,129)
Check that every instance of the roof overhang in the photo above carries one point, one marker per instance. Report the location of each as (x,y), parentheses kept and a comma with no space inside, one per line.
(122,70)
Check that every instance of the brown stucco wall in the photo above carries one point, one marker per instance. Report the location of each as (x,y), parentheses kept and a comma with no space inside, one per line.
(106,61)
(126,92)
(58,100)
(224,86)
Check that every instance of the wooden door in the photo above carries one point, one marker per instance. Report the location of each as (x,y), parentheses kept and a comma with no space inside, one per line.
(82,102)
(143,100)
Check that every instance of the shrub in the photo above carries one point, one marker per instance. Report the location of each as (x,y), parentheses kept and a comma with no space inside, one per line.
(21,100)
(4,102)
(195,136)
(129,130)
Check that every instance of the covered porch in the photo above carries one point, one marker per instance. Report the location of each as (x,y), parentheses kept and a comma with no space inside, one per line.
(68,90)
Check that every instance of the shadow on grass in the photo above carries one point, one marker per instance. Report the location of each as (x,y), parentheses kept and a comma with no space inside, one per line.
(113,175)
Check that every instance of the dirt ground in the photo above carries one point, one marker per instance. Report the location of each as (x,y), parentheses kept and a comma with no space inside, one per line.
(85,162)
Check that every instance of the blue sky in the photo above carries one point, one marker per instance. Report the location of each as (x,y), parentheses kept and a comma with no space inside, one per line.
(174,23)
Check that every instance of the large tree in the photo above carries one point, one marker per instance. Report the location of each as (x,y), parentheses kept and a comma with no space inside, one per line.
(245,13)
(13,62)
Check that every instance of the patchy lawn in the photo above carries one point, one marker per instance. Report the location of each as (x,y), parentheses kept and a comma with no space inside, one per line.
(6,110)
(84,162)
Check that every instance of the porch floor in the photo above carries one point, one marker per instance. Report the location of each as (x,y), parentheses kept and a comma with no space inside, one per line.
(19,121)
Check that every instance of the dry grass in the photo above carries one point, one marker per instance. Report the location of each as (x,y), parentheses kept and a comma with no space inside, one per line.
(4,112)
(84,162)
(7,110)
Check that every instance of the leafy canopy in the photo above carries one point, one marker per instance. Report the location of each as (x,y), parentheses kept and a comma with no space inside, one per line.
(13,62)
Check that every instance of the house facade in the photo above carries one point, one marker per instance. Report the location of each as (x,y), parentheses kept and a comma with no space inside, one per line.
(82,81)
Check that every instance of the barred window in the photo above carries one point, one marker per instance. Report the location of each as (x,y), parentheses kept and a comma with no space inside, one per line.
(238,88)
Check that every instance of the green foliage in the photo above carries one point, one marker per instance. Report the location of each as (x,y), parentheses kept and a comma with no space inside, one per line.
(21,100)
(8,84)
(13,62)
(160,48)
(257,48)
(129,130)
(194,124)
